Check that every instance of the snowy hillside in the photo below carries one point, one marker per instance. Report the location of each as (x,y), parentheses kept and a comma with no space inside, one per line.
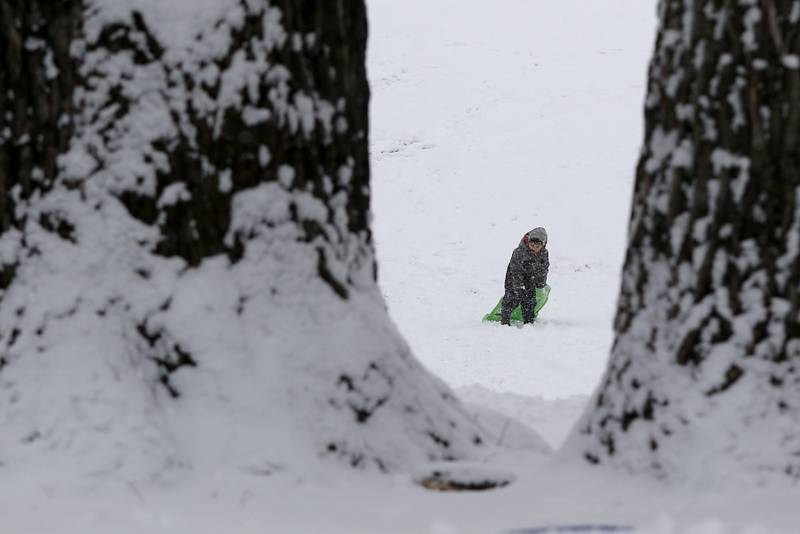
(482,129)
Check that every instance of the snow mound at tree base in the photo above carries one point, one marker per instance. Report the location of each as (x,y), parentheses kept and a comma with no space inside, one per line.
(125,365)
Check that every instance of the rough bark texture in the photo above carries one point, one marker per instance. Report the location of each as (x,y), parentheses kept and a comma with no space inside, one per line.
(231,144)
(38,98)
(64,87)
(36,88)
(707,322)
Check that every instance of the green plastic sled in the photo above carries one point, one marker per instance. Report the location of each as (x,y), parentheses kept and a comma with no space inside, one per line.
(542,294)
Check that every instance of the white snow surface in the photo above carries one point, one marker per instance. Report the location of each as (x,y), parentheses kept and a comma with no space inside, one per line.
(485,124)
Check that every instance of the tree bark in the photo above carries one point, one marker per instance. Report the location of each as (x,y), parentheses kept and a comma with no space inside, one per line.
(706,351)
(184,223)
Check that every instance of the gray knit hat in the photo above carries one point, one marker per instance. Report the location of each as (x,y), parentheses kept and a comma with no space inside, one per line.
(539,234)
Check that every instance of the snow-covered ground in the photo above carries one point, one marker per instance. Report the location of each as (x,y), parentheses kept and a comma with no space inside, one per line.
(485,124)
(488,118)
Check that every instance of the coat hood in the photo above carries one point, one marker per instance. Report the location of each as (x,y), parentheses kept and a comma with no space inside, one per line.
(537,233)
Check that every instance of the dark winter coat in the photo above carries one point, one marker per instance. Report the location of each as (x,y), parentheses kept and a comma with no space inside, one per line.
(527,270)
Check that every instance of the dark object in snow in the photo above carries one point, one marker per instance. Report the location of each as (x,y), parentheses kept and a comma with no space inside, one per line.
(553,529)
(439,483)
(464,477)
(527,271)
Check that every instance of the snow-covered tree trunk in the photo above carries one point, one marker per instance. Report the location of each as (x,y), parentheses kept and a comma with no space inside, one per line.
(704,374)
(187,276)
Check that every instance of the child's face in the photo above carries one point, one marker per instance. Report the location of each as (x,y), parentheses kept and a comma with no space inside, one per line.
(535,246)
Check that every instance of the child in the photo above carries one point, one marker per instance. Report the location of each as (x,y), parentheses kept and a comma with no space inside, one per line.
(526,271)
